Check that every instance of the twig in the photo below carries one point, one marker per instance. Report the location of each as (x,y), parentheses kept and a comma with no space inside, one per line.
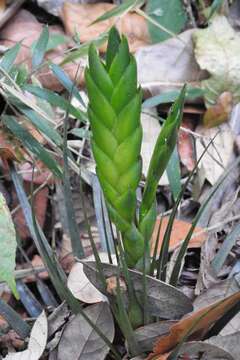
(10,11)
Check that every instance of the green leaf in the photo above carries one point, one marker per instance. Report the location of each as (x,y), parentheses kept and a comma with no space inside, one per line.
(169,14)
(174,174)
(55,40)
(32,144)
(56,100)
(40,48)
(66,82)
(83,49)
(41,124)
(120,10)
(81,133)
(9,58)
(170,96)
(8,245)
(162,152)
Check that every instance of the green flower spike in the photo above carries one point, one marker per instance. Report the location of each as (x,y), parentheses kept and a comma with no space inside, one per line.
(114,113)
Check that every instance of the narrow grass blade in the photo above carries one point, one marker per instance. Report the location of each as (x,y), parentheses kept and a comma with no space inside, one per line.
(154,258)
(82,50)
(66,82)
(102,222)
(223,321)
(55,271)
(40,48)
(9,57)
(32,144)
(225,249)
(177,266)
(163,257)
(14,320)
(56,100)
(174,174)
(41,124)
(120,10)
(29,300)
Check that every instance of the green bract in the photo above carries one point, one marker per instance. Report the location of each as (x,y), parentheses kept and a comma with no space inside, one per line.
(114,113)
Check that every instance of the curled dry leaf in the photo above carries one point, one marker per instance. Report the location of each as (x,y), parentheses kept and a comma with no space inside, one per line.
(80,285)
(217,51)
(175,307)
(80,341)
(78,17)
(25,28)
(179,232)
(220,112)
(194,325)
(82,288)
(37,341)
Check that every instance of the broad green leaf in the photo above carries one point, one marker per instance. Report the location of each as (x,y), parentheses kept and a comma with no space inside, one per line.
(120,10)
(32,144)
(9,58)
(8,245)
(174,174)
(66,82)
(40,48)
(56,100)
(170,96)
(169,14)
(217,50)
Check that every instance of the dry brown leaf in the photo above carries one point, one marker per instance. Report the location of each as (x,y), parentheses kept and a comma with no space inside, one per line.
(179,232)
(78,17)
(41,173)
(10,147)
(40,207)
(2,6)
(168,65)
(37,341)
(25,28)
(186,144)
(220,112)
(201,320)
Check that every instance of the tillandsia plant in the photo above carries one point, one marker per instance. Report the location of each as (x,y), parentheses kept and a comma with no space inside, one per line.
(114,111)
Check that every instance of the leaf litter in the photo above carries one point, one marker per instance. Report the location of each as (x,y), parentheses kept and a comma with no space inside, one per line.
(207,59)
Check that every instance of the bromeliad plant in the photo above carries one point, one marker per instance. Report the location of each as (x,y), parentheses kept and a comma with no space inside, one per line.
(114,112)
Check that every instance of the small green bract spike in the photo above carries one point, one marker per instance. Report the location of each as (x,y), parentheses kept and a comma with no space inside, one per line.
(114,112)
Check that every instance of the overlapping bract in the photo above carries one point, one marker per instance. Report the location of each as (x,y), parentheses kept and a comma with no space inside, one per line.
(114,113)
